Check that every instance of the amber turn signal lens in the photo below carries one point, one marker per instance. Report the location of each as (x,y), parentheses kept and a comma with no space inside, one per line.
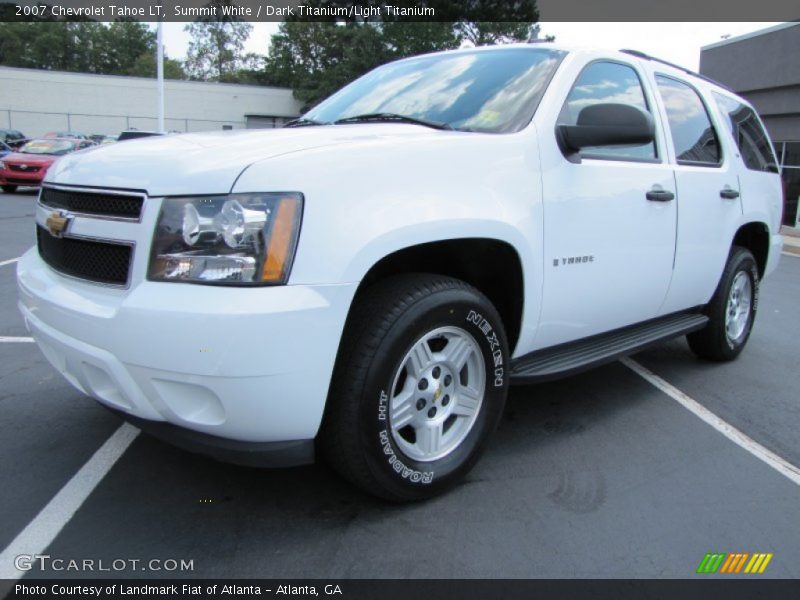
(282,240)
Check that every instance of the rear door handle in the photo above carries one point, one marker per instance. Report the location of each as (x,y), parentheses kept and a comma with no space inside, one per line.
(728,193)
(658,195)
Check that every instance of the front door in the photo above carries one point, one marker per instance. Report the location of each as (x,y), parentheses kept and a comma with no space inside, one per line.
(609,218)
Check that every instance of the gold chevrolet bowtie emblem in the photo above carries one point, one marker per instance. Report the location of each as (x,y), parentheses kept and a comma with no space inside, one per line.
(57,223)
(437,393)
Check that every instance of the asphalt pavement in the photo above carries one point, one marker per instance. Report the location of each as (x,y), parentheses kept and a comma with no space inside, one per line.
(601,475)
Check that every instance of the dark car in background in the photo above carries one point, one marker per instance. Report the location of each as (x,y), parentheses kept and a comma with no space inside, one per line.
(101,139)
(134,134)
(28,165)
(12,137)
(5,149)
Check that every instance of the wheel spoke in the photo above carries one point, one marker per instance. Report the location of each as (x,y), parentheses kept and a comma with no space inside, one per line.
(429,437)
(402,409)
(467,402)
(457,351)
(745,305)
(421,357)
(741,283)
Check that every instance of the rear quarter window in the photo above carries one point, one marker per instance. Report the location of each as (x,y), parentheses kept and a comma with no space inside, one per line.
(750,137)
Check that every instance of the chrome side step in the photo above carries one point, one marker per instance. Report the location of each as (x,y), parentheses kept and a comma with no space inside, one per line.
(573,357)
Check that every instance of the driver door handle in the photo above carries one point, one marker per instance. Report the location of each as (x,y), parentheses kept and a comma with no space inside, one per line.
(659,195)
(728,193)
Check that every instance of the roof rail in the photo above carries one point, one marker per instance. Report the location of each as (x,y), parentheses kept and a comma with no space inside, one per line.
(644,56)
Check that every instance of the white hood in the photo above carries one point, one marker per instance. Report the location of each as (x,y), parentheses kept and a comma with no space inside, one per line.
(205,163)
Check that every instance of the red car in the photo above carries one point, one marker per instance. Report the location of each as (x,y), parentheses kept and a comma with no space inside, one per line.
(28,165)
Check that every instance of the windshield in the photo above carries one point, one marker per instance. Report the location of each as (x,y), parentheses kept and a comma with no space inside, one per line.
(56,147)
(494,91)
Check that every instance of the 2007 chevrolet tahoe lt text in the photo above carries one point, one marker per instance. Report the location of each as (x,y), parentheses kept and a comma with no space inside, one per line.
(371,278)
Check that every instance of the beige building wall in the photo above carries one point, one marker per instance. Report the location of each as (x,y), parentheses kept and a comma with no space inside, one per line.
(37,101)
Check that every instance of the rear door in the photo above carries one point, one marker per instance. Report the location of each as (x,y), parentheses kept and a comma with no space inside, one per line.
(709,195)
(758,167)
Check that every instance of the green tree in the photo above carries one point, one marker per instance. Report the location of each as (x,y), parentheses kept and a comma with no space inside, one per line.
(127,41)
(485,22)
(145,66)
(485,33)
(87,47)
(405,38)
(317,58)
(216,50)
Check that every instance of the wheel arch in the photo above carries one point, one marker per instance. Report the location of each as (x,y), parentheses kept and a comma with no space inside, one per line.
(491,265)
(755,237)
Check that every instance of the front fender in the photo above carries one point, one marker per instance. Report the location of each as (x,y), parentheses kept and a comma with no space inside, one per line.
(372,199)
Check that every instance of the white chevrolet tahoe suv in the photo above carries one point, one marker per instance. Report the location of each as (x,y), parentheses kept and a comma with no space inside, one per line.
(369,280)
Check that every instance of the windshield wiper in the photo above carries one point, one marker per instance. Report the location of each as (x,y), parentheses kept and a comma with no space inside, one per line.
(392,117)
(303,122)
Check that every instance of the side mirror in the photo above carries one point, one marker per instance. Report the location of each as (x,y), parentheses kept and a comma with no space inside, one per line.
(607,125)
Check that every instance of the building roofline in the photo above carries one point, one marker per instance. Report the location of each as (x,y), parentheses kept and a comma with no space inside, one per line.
(752,34)
(149,79)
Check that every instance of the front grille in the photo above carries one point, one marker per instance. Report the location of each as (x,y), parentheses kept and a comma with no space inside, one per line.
(93,203)
(101,262)
(25,170)
(18,181)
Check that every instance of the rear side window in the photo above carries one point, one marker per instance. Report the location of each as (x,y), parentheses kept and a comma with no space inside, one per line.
(607,82)
(750,136)
(693,135)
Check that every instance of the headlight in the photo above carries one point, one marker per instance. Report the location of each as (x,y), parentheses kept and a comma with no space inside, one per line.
(239,239)
(2,165)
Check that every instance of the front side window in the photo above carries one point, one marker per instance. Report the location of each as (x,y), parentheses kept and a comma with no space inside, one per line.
(604,83)
(493,91)
(693,135)
(750,136)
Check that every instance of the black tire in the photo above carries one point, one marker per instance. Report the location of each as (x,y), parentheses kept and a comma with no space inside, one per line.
(9,189)
(713,342)
(385,322)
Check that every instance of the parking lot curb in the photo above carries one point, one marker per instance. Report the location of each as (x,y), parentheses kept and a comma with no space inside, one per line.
(791,244)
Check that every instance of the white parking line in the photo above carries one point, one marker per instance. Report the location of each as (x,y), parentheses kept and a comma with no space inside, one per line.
(40,532)
(5,339)
(783,467)
(790,254)
(9,262)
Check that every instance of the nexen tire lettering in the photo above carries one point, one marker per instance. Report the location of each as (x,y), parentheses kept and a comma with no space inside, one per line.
(494,344)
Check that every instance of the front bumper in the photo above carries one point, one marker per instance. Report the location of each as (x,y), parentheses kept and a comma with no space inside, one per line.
(250,454)
(22,178)
(243,364)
